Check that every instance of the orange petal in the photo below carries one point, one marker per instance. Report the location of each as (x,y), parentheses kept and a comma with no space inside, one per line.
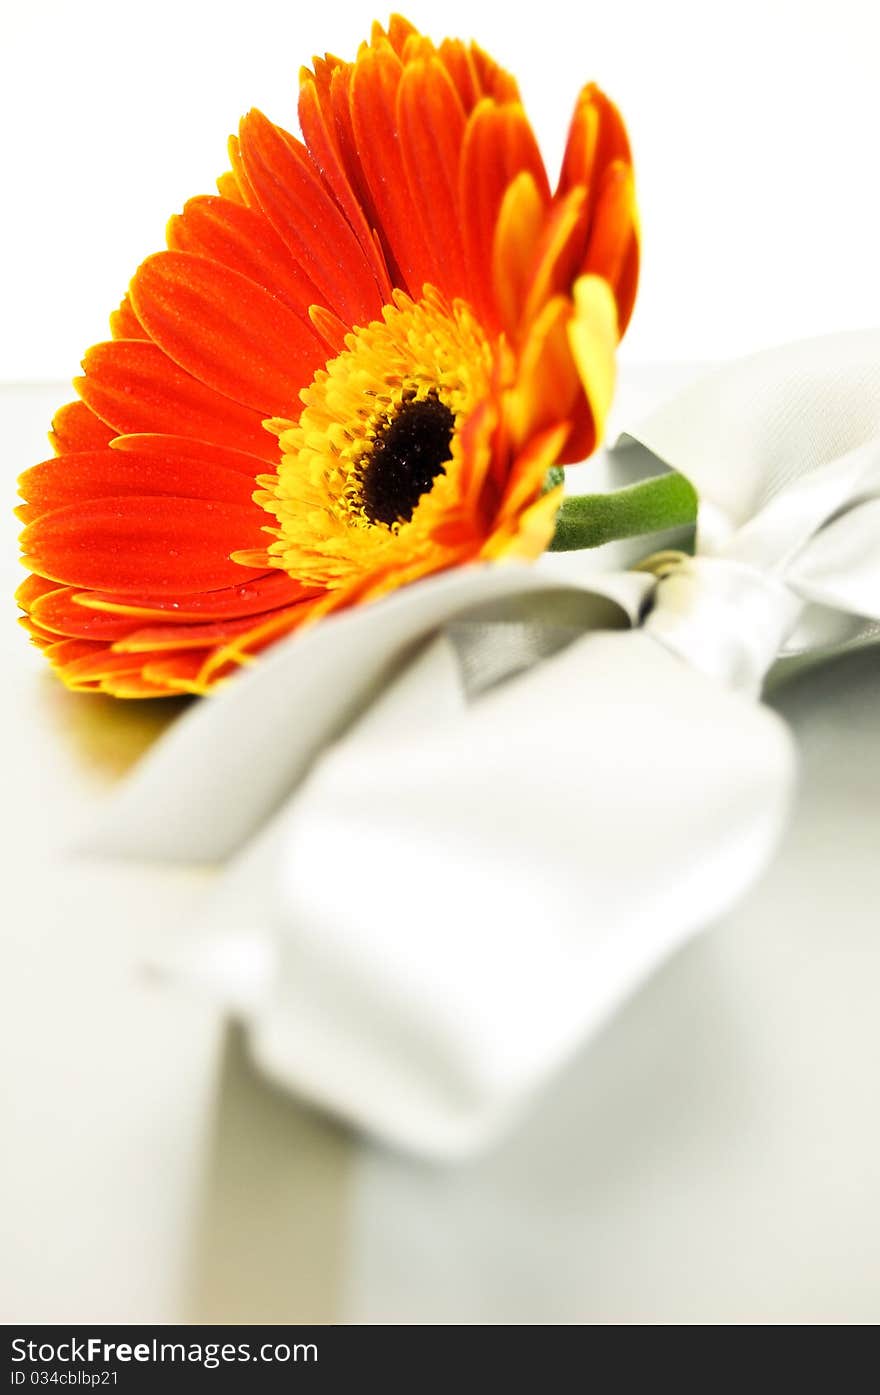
(493,80)
(244,240)
(134,387)
(43,639)
(308,219)
(31,589)
(332,91)
(229,189)
(133,685)
(99,664)
(263,593)
(58,611)
(124,323)
(529,470)
(325,145)
(113,473)
(264,632)
(226,330)
(613,247)
(498,145)
(166,445)
(72,651)
(560,252)
(76,427)
(431,122)
(181,673)
(374,87)
(593,336)
(517,237)
(547,386)
(330,328)
(239,176)
(139,544)
(160,637)
(400,31)
(529,534)
(596,137)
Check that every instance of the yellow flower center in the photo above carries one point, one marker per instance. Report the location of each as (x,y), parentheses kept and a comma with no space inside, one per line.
(375,466)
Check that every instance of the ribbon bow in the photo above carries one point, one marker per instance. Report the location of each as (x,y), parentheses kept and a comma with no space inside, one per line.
(461,825)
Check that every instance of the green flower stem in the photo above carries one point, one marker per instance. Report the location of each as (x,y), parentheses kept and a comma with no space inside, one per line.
(588,520)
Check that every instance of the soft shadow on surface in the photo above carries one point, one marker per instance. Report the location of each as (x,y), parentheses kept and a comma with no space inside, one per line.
(270,1241)
(106,734)
(848,679)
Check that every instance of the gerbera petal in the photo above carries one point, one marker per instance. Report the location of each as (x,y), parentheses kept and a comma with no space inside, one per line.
(112,473)
(593,336)
(255,596)
(162,637)
(226,330)
(331,92)
(296,202)
(43,639)
(498,145)
(547,384)
(531,534)
(57,610)
(76,427)
(458,60)
(240,175)
(242,239)
(559,252)
(494,81)
(133,544)
(330,328)
(528,472)
(517,238)
(134,387)
(133,685)
(102,662)
(265,631)
(124,323)
(228,188)
(398,33)
(31,589)
(323,139)
(431,122)
(178,447)
(374,88)
(66,652)
(596,137)
(612,249)
(179,673)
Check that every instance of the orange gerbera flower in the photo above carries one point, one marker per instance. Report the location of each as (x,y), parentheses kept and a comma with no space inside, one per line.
(351,368)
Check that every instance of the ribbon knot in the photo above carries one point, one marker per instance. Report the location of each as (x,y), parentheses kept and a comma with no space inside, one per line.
(724,617)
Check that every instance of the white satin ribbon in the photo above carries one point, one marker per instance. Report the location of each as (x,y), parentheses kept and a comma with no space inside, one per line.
(478,816)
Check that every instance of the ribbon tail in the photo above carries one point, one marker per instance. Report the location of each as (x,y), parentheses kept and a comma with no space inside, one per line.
(453,904)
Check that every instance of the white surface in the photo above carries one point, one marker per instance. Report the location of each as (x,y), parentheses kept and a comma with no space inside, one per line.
(713,1157)
(754,126)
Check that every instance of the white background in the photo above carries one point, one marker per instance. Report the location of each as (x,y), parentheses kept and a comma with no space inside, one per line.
(755,127)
